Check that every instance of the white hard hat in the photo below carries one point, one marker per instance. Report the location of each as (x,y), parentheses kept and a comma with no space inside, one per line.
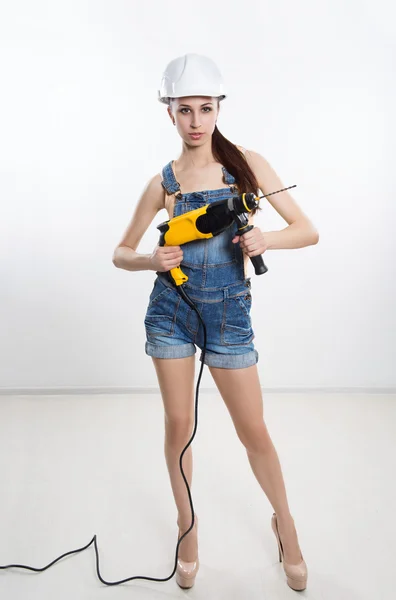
(191,75)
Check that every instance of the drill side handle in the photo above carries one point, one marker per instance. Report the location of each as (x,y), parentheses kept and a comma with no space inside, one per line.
(258,262)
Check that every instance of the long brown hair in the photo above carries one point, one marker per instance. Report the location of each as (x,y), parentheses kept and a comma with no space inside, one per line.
(229,155)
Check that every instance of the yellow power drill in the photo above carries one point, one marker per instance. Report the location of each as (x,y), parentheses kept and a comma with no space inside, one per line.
(206,222)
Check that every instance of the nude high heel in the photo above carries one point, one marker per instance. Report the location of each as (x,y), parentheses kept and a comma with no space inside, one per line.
(186,571)
(296,575)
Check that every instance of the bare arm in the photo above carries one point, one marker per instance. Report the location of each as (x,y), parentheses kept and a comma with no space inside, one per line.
(149,204)
(300,231)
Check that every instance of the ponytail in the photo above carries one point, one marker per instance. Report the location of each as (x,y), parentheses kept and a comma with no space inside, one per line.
(227,154)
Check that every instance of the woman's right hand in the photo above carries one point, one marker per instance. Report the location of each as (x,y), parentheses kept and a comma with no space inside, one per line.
(165,258)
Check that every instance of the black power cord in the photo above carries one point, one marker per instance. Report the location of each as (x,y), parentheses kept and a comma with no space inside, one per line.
(184,295)
(257,261)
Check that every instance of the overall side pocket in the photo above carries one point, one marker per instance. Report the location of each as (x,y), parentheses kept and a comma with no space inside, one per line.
(161,311)
(237,327)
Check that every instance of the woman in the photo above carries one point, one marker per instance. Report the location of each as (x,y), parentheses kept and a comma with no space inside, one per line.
(211,168)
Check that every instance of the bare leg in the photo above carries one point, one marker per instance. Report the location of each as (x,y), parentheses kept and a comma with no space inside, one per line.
(241,392)
(176,381)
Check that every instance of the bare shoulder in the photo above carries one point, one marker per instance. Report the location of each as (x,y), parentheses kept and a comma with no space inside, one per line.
(241,148)
(148,204)
(155,192)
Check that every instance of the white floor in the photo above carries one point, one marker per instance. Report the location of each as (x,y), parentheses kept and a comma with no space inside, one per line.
(76,466)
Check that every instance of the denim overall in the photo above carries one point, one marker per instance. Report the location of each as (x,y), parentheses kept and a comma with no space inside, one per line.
(216,284)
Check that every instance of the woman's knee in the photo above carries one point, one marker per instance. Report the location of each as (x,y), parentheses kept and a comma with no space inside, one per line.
(178,429)
(256,438)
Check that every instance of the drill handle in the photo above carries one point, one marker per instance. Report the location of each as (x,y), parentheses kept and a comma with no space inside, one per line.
(175,275)
(258,262)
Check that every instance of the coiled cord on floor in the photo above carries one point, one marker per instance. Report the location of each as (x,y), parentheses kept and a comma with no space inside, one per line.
(191,303)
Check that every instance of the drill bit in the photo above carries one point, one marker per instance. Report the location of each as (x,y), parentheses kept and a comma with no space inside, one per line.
(282,190)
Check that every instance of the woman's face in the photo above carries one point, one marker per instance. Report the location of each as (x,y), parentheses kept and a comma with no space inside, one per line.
(194,114)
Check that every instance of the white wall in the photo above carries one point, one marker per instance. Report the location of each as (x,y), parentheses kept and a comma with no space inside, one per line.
(311,87)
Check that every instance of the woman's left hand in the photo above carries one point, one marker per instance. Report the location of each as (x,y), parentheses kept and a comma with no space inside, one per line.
(253,242)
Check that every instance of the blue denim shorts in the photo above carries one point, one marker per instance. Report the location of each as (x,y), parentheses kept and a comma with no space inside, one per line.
(173,328)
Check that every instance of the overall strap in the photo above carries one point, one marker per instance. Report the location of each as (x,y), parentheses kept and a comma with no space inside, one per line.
(228,178)
(169,182)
